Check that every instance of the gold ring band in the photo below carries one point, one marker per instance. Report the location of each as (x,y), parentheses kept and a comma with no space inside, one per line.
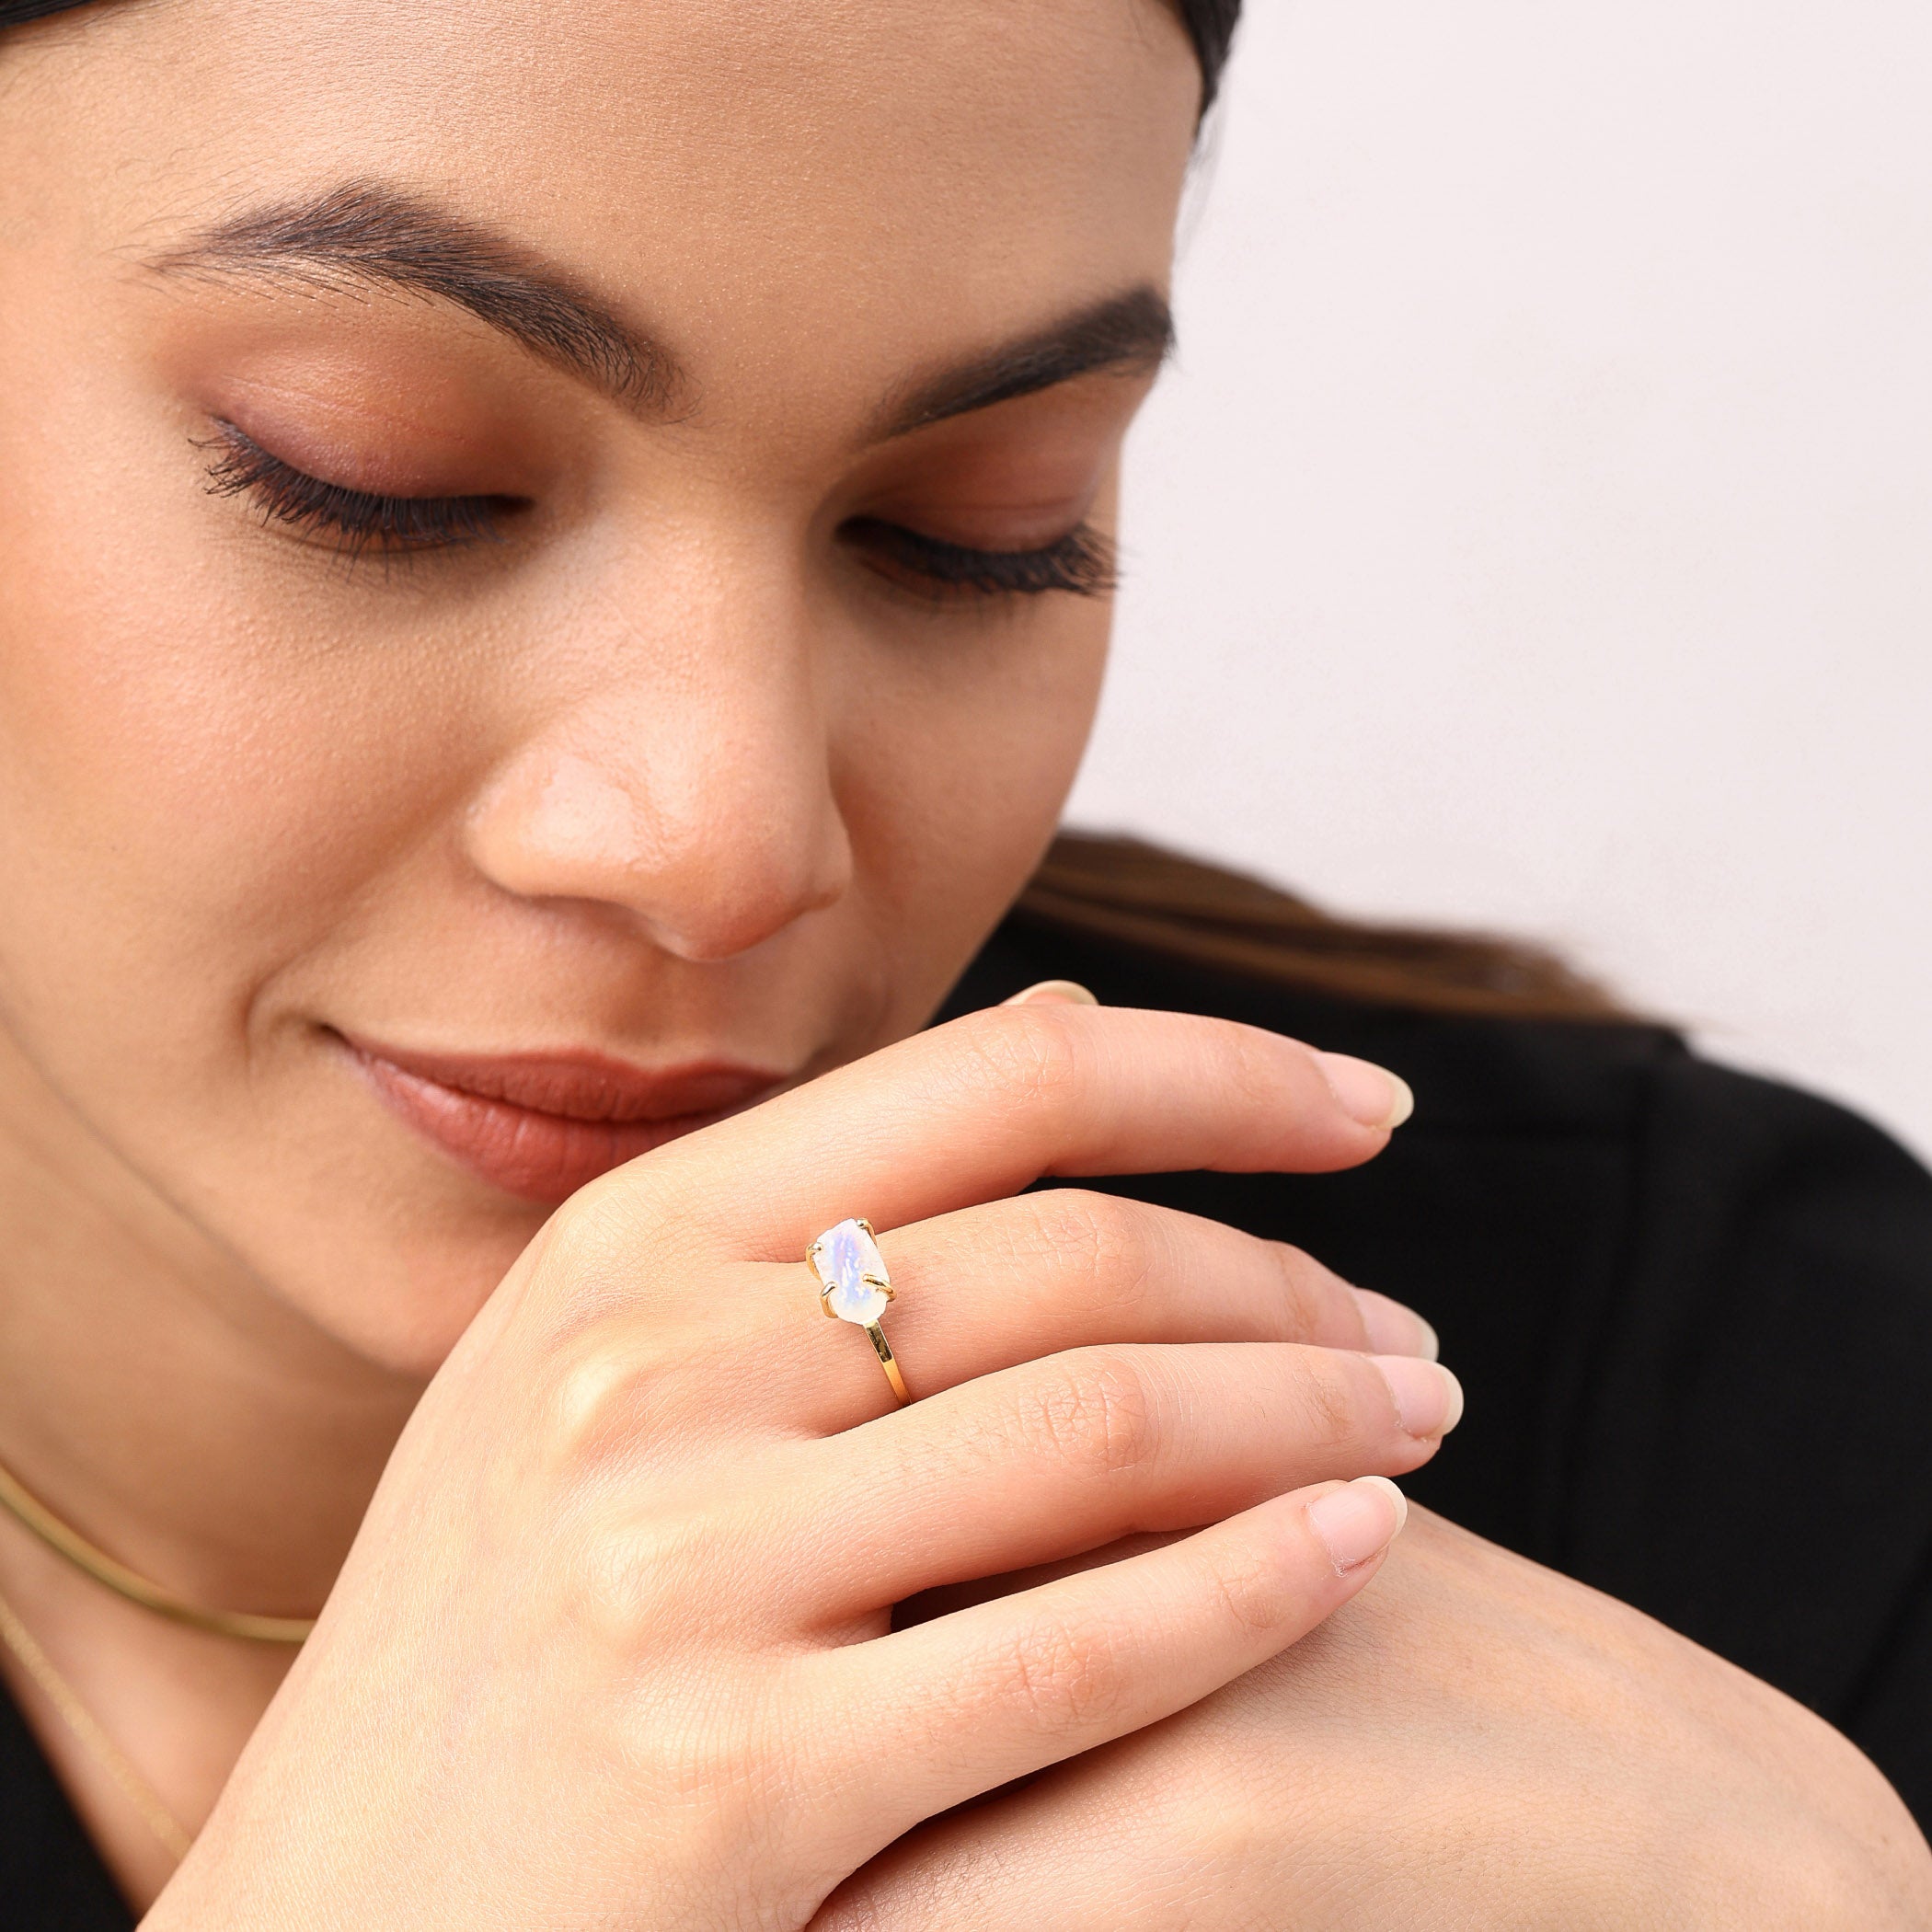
(884,1349)
(853,1287)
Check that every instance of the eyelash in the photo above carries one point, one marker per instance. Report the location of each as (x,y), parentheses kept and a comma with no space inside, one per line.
(1081,563)
(358,520)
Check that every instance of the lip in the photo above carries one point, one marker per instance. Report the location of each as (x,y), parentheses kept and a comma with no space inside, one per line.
(541,1125)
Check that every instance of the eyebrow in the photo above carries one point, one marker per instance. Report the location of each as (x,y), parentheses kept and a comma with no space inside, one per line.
(1130,334)
(365,232)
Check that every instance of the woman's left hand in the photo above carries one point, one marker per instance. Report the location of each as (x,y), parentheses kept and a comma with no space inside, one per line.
(1473,1741)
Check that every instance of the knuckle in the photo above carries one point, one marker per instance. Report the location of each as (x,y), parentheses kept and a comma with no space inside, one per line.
(600,1401)
(612,1359)
(1252,1064)
(1022,1053)
(1307,1304)
(708,1763)
(1094,1244)
(685,1579)
(585,1244)
(1094,1411)
(1063,1676)
(1257,1591)
(588,1261)
(624,1579)
(606,1387)
(1330,1402)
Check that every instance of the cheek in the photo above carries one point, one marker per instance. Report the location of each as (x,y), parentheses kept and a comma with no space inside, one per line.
(184,800)
(199,791)
(951,770)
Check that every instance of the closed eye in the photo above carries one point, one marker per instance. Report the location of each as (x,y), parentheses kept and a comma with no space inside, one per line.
(1082,563)
(353,521)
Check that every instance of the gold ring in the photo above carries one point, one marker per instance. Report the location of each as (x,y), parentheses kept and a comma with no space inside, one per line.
(854,1286)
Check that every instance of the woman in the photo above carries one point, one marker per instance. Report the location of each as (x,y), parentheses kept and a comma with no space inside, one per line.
(554,564)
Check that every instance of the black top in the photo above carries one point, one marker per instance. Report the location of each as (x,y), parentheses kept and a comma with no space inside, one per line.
(1693,1312)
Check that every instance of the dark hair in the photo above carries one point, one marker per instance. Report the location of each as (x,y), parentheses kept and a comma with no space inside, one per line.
(13,13)
(1211,27)
(1121,891)
(1210,24)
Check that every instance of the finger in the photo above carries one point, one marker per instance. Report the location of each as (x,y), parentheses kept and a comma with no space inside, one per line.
(935,1715)
(1078,1450)
(981,1107)
(1011,1280)
(991,1286)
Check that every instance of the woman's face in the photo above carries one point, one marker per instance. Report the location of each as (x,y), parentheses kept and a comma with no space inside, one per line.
(496,623)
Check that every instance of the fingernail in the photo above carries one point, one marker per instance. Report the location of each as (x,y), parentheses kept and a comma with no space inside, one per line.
(1358,1521)
(1069,993)
(1366,1092)
(1428,1399)
(1394,1329)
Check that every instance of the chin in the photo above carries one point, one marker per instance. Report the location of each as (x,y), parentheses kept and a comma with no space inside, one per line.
(397,1288)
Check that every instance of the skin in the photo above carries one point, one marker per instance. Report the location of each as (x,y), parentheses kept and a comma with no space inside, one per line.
(1472,1743)
(678,771)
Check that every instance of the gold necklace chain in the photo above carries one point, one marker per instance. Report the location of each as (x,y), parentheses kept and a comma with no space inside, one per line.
(173,1835)
(98,1564)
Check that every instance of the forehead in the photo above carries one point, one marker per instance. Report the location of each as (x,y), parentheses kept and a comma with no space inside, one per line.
(742,165)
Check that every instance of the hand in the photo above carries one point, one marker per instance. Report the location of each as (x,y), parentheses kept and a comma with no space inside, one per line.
(1477,1742)
(612,1647)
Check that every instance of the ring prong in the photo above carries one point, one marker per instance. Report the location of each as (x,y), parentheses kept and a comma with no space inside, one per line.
(878,1285)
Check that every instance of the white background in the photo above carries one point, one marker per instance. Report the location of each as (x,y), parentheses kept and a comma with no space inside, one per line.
(1536,532)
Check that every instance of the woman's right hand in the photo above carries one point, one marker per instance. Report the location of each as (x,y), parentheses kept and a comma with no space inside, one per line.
(613,1647)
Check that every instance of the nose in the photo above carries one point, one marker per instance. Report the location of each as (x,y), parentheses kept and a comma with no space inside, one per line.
(687,781)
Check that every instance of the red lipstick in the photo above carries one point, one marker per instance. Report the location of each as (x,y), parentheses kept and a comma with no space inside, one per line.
(540,1125)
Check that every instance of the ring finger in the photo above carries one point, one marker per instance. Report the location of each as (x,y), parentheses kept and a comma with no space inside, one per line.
(989,1287)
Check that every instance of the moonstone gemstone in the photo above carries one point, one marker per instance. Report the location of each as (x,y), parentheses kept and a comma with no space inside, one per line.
(845,1255)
